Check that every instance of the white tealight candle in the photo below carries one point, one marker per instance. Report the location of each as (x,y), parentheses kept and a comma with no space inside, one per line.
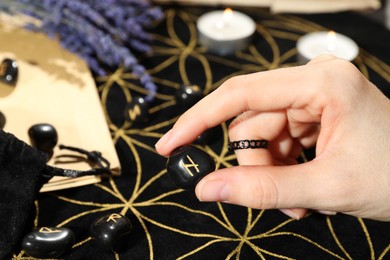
(313,44)
(225,32)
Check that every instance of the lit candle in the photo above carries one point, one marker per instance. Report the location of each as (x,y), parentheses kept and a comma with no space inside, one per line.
(225,32)
(313,44)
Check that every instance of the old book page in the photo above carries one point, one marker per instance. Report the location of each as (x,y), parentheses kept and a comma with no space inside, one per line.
(55,87)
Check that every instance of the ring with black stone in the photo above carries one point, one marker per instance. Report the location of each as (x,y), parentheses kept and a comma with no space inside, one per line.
(247,144)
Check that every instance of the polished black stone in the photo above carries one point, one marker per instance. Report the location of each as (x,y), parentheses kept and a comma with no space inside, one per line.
(187,95)
(208,136)
(44,137)
(2,120)
(137,110)
(9,71)
(187,165)
(48,242)
(110,229)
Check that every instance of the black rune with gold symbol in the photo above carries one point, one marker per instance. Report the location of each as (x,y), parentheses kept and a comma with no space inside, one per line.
(137,110)
(109,230)
(187,165)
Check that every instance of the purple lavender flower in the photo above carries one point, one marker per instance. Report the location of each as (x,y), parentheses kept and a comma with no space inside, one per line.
(102,32)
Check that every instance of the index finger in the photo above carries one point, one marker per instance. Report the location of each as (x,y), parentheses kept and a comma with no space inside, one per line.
(263,91)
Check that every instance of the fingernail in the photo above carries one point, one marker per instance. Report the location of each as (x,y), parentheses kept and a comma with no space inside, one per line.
(327,212)
(212,190)
(290,213)
(163,140)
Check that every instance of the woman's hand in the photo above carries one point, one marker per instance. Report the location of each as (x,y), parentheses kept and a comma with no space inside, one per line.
(327,103)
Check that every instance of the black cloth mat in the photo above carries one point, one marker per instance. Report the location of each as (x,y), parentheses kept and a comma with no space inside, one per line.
(170,223)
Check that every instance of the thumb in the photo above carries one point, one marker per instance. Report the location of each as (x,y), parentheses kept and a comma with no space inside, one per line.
(264,187)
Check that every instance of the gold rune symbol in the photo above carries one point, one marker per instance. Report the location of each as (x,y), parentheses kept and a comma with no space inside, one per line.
(133,113)
(113,217)
(48,230)
(189,165)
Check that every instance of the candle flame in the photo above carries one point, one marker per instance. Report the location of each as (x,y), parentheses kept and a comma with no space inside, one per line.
(331,40)
(227,14)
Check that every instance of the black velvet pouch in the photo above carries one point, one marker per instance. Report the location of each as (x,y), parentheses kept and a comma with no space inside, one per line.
(23,171)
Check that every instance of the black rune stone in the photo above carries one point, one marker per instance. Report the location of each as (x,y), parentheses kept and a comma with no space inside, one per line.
(188,95)
(187,165)
(48,242)
(2,120)
(9,71)
(110,229)
(137,110)
(44,137)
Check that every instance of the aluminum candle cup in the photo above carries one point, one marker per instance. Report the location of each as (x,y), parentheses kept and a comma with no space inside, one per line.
(313,44)
(225,32)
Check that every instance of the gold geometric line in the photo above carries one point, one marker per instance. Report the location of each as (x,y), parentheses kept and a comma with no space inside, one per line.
(284,35)
(143,145)
(304,157)
(362,67)
(116,190)
(229,63)
(201,247)
(307,240)
(149,182)
(137,159)
(151,202)
(148,237)
(36,204)
(200,212)
(369,241)
(161,125)
(330,226)
(303,22)
(288,54)
(165,51)
(170,17)
(274,46)
(192,41)
(144,133)
(166,82)
(113,206)
(227,221)
(176,230)
(130,86)
(231,157)
(78,202)
(235,251)
(377,65)
(248,222)
(383,254)
(240,245)
(82,242)
(163,65)
(163,39)
(256,219)
(219,160)
(297,22)
(259,252)
(105,188)
(207,71)
(258,57)
(182,66)
(271,230)
(167,104)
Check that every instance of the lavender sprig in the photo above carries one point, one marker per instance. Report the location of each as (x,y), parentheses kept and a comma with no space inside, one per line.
(102,32)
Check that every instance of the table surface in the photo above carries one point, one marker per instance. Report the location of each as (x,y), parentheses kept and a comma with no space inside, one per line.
(170,223)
